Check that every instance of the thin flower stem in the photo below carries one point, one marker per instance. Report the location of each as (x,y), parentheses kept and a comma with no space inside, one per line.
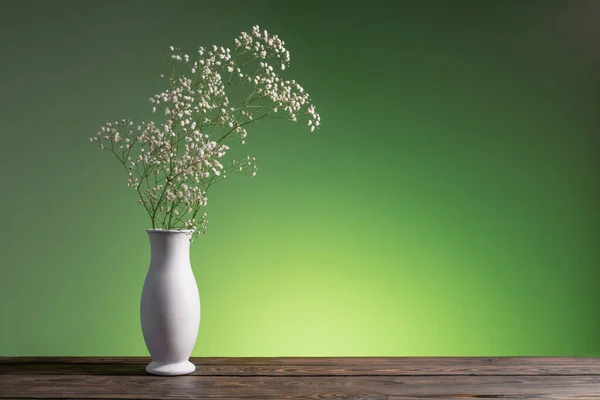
(245,123)
(223,98)
(127,171)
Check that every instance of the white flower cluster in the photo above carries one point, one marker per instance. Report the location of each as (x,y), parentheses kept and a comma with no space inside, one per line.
(210,98)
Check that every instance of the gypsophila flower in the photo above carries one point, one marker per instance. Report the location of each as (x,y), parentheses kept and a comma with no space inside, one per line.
(172,163)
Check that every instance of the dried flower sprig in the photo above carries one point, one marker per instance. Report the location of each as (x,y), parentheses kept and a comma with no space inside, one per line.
(211,98)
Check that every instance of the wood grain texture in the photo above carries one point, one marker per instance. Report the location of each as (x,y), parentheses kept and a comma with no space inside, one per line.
(366,378)
(317,366)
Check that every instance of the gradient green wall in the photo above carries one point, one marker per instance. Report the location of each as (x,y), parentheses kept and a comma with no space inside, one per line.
(449,205)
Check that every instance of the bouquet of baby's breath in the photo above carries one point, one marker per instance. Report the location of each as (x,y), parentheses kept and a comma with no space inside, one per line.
(211,98)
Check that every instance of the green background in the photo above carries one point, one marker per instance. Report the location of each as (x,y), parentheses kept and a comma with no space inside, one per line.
(448,205)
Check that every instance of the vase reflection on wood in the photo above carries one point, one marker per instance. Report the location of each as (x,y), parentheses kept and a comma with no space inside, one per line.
(170,304)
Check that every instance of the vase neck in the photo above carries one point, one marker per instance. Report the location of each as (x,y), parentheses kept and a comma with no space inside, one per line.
(168,246)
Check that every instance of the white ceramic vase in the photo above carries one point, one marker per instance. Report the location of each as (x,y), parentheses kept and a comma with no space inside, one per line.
(170,306)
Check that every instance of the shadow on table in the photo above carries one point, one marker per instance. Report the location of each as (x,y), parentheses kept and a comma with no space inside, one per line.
(74,369)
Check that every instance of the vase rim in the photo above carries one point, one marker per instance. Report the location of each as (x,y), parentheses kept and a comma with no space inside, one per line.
(169,230)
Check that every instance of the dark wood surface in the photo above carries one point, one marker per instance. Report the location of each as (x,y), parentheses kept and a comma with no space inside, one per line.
(372,378)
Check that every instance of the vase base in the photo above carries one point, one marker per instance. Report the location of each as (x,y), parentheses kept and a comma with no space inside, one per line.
(181,368)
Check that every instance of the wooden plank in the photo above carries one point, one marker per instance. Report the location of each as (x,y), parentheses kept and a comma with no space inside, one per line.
(313,366)
(287,388)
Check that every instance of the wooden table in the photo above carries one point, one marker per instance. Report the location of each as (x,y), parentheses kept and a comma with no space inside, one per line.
(372,378)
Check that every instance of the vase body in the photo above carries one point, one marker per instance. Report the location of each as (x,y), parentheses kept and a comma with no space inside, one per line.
(170,304)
